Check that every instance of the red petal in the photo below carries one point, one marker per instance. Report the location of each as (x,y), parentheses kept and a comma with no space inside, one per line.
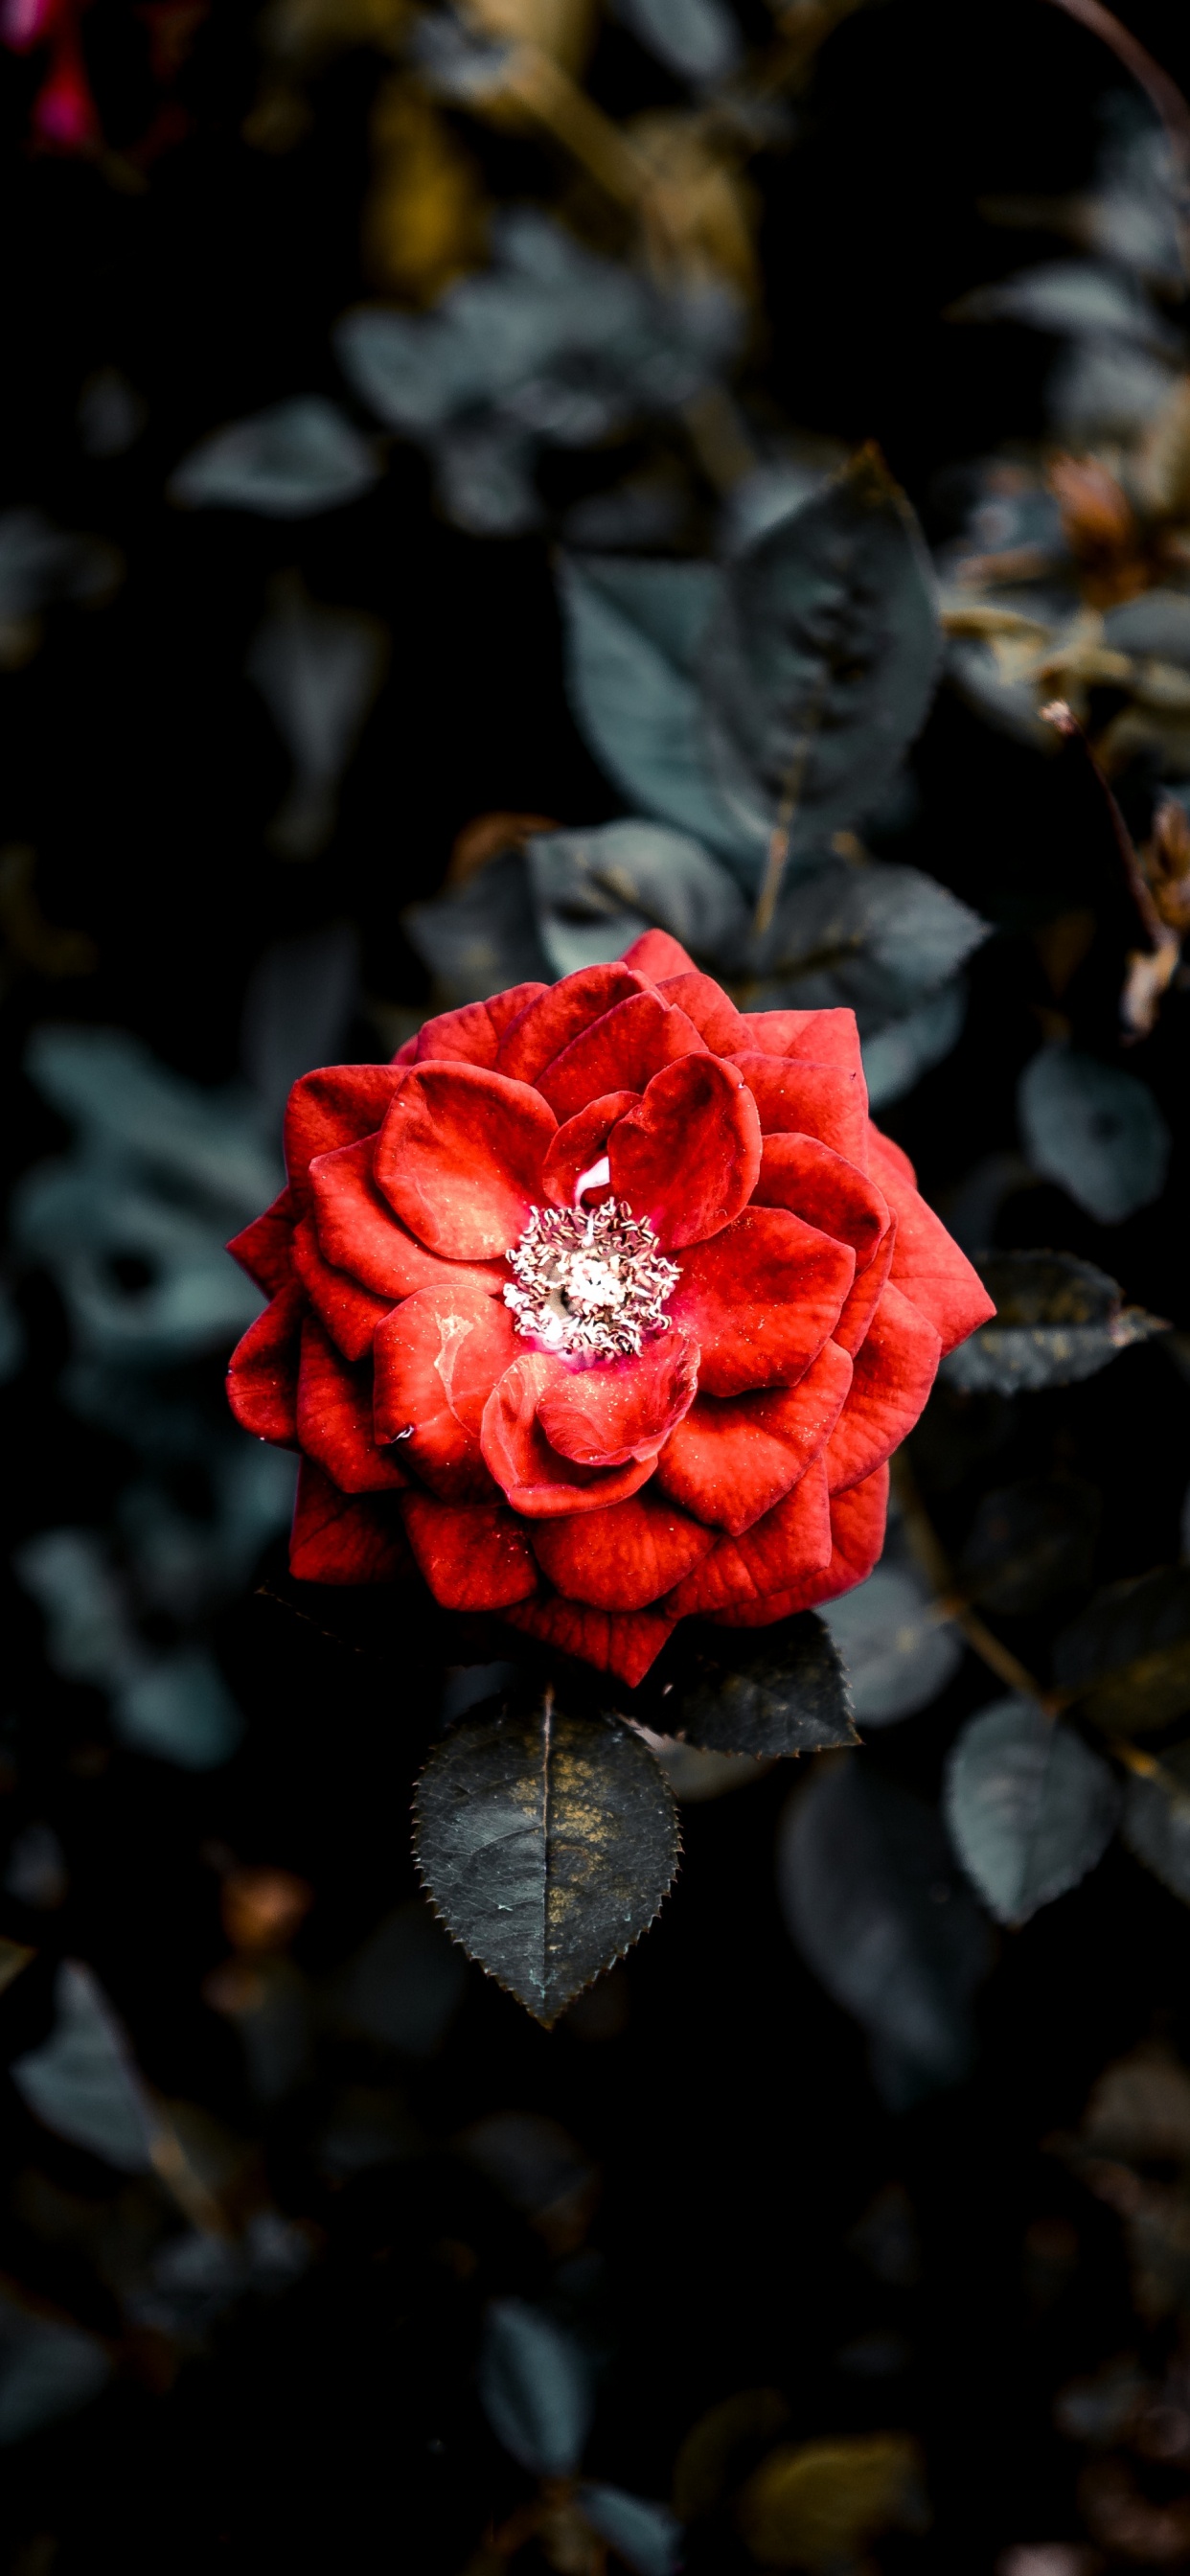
(263,1247)
(809,1178)
(760,1299)
(622,1051)
(892,1154)
(820,1037)
(623,1642)
(349,1313)
(733,1457)
(927,1264)
(338,1538)
(407,1053)
(459,1157)
(437,1358)
(621,1409)
(473,1034)
(624,1557)
(865,1294)
(792,1541)
(655,954)
(579,1145)
(332,1107)
(532,1041)
(537,1479)
(687,1155)
(334,1417)
(358,1232)
(857,1536)
(894,1372)
(829,1101)
(262,1371)
(474,1556)
(705,1002)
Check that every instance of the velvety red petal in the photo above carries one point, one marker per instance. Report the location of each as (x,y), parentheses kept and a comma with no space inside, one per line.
(733,1457)
(334,1418)
(704,1001)
(623,1642)
(893,1155)
(473,1034)
(262,1372)
(358,1233)
(760,1299)
(620,1409)
(792,1541)
(437,1358)
(332,1107)
(263,1247)
(622,1558)
(622,1051)
(579,1145)
(655,954)
(809,1178)
(474,1556)
(687,1155)
(350,1313)
(536,1478)
(894,1371)
(865,1293)
(407,1052)
(927,1264)
(542,1030)
(459,1157)
(829,1101)
(857,1537)
(819,1037)
(341,1538)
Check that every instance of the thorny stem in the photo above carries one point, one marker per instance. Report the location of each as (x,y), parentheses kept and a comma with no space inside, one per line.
(1163,94)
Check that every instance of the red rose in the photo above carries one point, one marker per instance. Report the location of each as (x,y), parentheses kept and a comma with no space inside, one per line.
(604,1299)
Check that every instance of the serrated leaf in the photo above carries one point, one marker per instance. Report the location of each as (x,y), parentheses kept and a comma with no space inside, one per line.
(1156,1822)
(1095,1130)
(763,1691)
(596,891)
(872,939)
(1029,1541)
(287,463)
(1126,1658)
(1057,1320)
(1030,1808)
(896,1056)
(822,657)
(881,1913)
(547,1842)
(814,2504)
(632,636)
(647,2537)
(535,2386)
(897,1654)
(82,2081)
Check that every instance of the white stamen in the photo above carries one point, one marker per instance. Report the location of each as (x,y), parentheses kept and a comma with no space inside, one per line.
(596,1179)
(590,1281)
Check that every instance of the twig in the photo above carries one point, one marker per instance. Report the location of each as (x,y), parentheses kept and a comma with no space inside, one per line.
(951,1607)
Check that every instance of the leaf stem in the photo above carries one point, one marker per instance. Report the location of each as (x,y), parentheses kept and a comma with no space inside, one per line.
(777,859)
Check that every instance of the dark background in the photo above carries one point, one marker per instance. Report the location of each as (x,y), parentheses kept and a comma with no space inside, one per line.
(731,2114)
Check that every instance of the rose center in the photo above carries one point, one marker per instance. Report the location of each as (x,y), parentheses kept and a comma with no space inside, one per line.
(589,1281)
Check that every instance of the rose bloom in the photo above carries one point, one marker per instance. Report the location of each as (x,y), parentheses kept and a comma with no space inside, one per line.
(604,1304)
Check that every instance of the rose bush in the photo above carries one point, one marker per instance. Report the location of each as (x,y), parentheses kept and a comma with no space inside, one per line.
(605,1304)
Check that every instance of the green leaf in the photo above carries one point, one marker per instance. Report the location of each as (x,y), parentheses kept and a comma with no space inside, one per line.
(82,2082)
(896,1056)
(300,457)
(404,1987)
(874,938)
(1030,1808)
(763,1691)
(1095,1130)
(535,2387)
(1030,1541)
(1126,1658)
(822,658)
(1057,1320)
(547,1843)
(699,40)
(482,936)
(880,1912)
(596,891)
(47,2369)
(1156,1824)
(897,1654)
(647,2537)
